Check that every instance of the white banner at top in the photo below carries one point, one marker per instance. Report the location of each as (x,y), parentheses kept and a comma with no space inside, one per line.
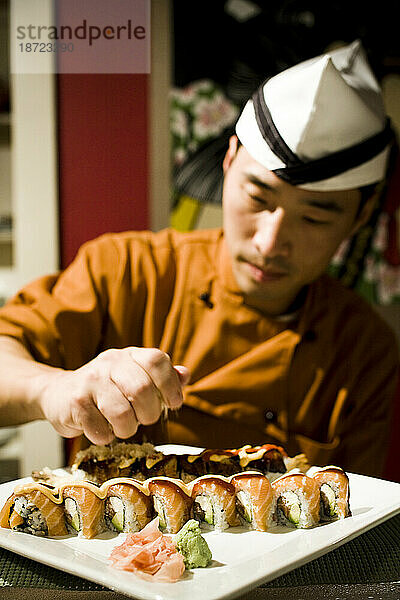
(80,36)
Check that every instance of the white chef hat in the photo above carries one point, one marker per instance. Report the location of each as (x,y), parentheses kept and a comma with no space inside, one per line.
(320,125)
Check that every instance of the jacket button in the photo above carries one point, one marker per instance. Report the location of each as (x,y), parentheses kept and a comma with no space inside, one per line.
(270,415)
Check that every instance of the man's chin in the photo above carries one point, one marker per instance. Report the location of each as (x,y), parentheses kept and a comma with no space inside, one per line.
(272,297)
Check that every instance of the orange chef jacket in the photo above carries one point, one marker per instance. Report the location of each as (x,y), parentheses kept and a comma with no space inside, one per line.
(320,381)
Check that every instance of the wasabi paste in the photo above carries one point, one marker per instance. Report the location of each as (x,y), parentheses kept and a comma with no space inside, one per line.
(193,546)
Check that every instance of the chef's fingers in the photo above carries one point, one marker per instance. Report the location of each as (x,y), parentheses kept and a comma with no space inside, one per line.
(159,369)
(89,419)
(137,391)
(117,409)
(67,431)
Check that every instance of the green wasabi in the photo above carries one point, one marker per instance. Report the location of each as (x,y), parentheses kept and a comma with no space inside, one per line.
(193,546)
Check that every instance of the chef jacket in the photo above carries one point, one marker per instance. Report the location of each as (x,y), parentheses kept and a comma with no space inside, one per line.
(320,381)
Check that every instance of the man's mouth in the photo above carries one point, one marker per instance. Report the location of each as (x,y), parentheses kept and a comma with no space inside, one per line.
(265,274)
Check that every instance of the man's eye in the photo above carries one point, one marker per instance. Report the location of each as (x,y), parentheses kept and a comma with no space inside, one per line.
(256,199)
(313,221)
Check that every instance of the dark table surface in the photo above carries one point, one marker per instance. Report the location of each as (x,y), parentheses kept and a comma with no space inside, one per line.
(365,568)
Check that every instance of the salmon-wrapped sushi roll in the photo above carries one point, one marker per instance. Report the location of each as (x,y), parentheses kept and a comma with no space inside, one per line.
(297,500)
(127,505)
(84,509)
(34,510)
(171,503)
(255,500)
(334,490)
(214,502)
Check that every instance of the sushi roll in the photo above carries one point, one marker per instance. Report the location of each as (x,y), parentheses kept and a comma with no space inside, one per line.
(160,465)
(127,505)
(268,459)
(221,462)
(34,509)
(171,503)
(334,490)
(191,466)
(255,500)
(297,500)
(214,502)
(120,459)
(84,509)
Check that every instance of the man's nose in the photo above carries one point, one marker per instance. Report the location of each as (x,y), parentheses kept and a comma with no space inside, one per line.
(271,237)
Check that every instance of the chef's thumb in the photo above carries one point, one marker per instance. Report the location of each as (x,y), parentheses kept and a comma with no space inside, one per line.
(184,374)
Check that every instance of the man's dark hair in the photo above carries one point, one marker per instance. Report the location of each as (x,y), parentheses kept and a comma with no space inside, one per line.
(367,191)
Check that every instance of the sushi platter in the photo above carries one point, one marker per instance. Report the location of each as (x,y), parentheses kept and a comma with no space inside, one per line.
(241,558)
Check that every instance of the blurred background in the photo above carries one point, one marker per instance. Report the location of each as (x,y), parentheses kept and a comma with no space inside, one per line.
(83,154)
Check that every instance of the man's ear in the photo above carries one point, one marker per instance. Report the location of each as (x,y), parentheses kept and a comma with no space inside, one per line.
(365,212)
(230,153)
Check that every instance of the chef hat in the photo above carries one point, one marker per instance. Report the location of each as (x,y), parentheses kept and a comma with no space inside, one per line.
(321,124)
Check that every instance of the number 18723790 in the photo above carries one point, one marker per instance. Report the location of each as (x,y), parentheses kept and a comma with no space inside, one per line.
(46,47)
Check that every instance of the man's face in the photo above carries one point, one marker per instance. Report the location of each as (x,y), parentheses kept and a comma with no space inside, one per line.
(280,237)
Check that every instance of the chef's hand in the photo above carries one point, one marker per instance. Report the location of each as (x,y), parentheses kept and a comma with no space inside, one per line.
(112,394)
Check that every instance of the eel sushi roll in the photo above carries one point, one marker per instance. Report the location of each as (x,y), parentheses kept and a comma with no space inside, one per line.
(191,466)
(268,459)
(214,502)
(334,489)
(171,503)
(121,459)
(127,506)
(255,500)
(297,500)
(221,462)
(209,462)
(84,509)
(34,510)
(160,465)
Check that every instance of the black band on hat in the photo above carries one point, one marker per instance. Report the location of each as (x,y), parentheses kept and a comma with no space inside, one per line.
(298,171)
(339,162)
(269,131)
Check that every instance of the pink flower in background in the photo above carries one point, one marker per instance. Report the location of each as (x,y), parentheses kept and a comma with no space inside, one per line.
(371,270)
(179,123)
(180,156)
(379,242)
(182,96)
(388,283)
(185,96)
(212,115)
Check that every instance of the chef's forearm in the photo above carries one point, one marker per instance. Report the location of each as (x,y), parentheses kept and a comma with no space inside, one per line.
(22,380)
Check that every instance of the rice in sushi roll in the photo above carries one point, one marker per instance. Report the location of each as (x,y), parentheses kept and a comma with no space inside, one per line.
(127,505)
(84,509)
(333,484)
(34,509)
(214,502)
(297,500)
(171,503)
(255,500)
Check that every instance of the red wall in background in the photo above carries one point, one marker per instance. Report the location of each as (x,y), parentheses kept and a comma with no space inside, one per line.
(103,156)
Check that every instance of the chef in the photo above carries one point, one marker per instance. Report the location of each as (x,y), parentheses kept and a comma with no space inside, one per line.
(237,332)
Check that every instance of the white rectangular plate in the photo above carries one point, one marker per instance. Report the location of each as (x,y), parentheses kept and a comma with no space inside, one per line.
(241,559)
